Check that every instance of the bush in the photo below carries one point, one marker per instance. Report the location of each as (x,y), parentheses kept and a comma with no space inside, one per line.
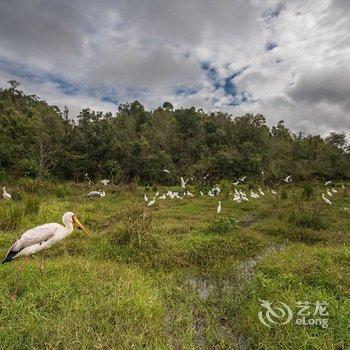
(32,205)
(222,225)
(11,216)
(61,191)
(30,185)
(307,217)
(307,192)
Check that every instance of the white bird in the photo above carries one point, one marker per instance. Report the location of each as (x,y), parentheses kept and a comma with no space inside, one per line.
(334,190)
(210,193)
(273,192)
(253,194)
(41,238)
(166,171)
(242,178)
(327,183)
(342,185)
(201,193)
(157,194)
(261,191)
(145,197)
(105,182)
(152,202)
(96,194)
(163,196)
(327,201)
(288,178)
(183,182)
(236,183)
(329,193)
(216,191)
(218,209)
(237,198)
(6,195)
(189,194)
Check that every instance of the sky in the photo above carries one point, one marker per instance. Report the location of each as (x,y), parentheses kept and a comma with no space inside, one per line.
(289,60)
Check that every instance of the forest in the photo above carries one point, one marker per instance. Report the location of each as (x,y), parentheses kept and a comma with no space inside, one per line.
(41,141)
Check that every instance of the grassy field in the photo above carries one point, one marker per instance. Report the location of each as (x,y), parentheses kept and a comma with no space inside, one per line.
(176,275)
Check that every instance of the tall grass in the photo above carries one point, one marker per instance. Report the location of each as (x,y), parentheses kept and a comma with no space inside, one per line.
(32,204)
(11,216)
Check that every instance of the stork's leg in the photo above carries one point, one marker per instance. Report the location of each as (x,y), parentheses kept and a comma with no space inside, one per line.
(20,269)
(42,263)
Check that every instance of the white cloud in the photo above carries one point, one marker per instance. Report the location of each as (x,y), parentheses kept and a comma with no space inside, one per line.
(131,49)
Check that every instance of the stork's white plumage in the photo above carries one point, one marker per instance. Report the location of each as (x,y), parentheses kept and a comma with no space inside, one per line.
(43,237)
(6,195)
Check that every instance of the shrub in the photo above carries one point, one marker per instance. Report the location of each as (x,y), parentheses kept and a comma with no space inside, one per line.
(32,205)
(222,225)
(30,185)
(11,216)
(61,191)
(307,192)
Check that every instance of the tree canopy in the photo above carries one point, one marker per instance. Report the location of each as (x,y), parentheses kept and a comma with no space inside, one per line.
(40,141)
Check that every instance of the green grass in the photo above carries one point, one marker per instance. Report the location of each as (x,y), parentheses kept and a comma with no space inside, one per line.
(176,275)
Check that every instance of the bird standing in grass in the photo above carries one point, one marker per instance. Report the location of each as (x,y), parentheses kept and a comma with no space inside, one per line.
(145,197)
(5,195)
(41,238)
(326,200)
(96,194)
(218,209)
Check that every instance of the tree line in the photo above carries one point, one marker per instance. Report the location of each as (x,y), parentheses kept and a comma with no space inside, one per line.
(41,141)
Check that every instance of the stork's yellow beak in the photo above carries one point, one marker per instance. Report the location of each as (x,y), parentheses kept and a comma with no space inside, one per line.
(79,225)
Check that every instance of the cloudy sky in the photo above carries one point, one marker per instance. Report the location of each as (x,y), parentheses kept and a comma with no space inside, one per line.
(288,59)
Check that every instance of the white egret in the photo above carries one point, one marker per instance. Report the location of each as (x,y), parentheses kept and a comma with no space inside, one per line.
(342,185)
(216,191)
(327,183)
(41,238)
(236,183)
(218,209)
(253,194)
(152,202)
(189,194)
(166,171)
(162,196)
(6,195)
(96,194)
(273,192)
(105,182)
(334,190)
(327,201)
(242,178)
(288,178)
(201,193)
(210,193)
(183,182)
(261,191)
(145,197)
(329,193)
